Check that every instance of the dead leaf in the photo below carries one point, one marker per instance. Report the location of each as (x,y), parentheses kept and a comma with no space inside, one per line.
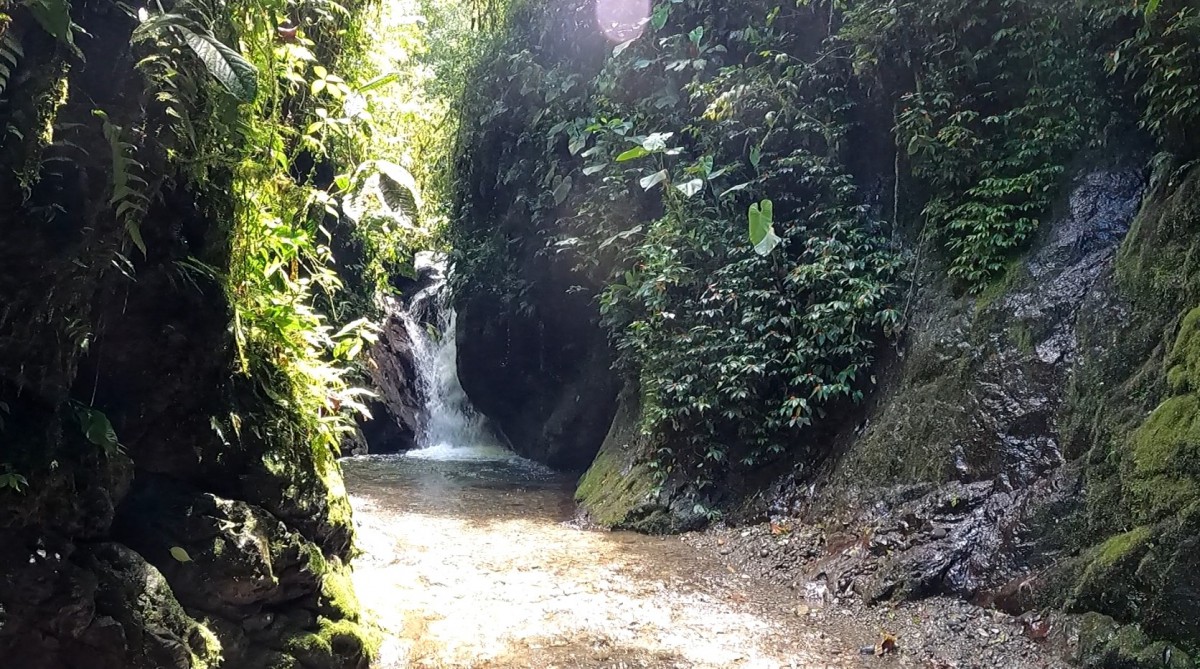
(886,644)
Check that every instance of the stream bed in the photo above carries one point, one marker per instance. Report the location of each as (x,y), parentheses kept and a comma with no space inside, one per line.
(470,559)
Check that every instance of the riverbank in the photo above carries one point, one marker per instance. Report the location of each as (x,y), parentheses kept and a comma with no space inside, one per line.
(475,564)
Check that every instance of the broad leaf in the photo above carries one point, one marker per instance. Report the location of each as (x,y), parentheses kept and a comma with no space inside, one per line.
(653,180)
(180,554)
(54,16)
(633,154)
(692,187)
(762,228)
(227,66)
(401,177)
(563,189)
(657,141)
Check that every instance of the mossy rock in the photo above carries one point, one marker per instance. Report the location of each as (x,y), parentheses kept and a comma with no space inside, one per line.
(337,598)
(1105,644)
(618,483)
(1106,579)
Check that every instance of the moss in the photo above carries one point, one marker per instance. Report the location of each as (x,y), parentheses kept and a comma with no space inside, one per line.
(1104,643)
(310,648)
(1015,274)
(609,493)
(1159,263)
(337,593)
(1163,470)
(1183,363)
(1021,335)
(205,647)
(1106,581)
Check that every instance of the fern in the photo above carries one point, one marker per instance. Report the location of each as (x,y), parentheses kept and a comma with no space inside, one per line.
(10,54)
(128,191)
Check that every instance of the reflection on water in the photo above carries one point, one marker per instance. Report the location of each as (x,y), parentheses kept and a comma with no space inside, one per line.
(467,563)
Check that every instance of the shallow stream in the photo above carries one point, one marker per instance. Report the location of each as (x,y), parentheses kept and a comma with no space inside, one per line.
(470,559)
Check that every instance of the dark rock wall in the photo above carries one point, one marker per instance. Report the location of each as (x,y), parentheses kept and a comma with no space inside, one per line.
(541,374)
(207,539)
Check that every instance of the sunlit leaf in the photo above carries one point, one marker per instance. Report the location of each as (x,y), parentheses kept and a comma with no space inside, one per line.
(632,154)
(227,66)
(762,229)
(692,187)
(653,180)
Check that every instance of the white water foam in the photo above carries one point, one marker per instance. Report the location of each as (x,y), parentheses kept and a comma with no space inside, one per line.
(452,428)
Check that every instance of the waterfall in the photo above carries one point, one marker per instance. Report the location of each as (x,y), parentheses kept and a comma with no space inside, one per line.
(451,428)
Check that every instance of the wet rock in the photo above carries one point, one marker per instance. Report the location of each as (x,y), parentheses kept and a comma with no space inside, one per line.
(397,413)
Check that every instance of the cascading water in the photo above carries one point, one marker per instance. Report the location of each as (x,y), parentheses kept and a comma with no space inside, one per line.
(451,428)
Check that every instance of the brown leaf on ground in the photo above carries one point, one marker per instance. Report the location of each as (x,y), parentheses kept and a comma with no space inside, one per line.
(886,644)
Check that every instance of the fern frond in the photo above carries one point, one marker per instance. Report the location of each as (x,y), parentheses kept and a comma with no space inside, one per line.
(10,54)
(128,187)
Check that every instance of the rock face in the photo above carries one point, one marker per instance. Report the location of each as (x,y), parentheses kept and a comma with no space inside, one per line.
(213,534)
(1014,438)
(542,374)
(398,412)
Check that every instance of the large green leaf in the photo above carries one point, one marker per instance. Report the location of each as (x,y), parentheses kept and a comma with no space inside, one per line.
(234,72)
(401,177)
(762,228)
(54,16)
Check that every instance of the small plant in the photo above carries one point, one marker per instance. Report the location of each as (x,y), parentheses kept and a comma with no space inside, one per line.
(97,428)
(11,480)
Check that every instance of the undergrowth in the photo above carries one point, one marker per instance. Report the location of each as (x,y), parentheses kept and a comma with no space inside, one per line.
(845,128)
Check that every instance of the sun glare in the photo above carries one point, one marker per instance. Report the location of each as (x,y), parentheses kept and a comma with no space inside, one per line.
(622,20)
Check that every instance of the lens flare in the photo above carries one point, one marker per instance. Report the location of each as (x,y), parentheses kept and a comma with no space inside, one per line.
(622,20)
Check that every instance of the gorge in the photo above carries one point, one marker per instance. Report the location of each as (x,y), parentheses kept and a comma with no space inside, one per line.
(599,333)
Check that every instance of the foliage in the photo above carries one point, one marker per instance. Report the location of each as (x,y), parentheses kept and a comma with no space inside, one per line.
(993,114)
(638,161)
(96,428)
(1161,61)
(736,352)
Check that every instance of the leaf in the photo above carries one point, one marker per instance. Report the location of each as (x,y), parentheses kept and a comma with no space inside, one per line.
(659,18)
(691,187)
(633,154)
(734,189)
(577,145)
(755,156)
(653,180)
(1151,8)
(400,176)
(592,169)
(657,141)
(54,16)
(379,82)
(622,46)
(762,230)
(227,66)
(563,189)
(179,554)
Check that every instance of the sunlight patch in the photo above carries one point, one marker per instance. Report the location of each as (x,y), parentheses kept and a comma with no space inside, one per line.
(622,20)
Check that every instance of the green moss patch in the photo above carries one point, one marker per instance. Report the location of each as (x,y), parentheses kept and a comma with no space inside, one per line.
(337,593)
(611,489)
